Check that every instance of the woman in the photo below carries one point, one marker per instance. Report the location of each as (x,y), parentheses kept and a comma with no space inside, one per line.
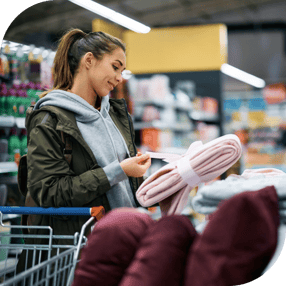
(105,168)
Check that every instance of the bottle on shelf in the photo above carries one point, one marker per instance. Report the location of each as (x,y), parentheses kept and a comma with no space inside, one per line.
(3,86)
(23,86)
(15,67)
(21,103)
(14,146)
(33,92)
(16,86)
(11,103)
(3,101)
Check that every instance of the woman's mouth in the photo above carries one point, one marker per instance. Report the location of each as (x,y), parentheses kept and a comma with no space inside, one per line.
(111,85)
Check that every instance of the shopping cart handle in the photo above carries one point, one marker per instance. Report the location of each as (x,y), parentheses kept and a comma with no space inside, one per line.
(97,212)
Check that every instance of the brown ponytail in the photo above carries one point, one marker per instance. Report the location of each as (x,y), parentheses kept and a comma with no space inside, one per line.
(73,46)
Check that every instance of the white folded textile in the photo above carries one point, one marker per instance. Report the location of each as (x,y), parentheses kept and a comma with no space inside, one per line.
(210,196)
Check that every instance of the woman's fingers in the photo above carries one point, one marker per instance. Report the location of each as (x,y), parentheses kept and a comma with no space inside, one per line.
(143,157)
(138,153)
(136,166)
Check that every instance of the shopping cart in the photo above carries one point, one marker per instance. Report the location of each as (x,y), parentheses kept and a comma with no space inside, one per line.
(56,269)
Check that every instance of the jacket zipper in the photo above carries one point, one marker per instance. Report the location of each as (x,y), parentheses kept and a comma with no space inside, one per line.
(133,144)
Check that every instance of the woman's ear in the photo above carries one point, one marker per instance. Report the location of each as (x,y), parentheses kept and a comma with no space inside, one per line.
(88,60)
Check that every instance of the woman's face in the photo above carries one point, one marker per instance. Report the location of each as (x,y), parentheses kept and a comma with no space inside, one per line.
(105,74)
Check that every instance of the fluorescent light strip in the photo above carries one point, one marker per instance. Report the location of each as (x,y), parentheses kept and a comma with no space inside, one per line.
(242,76)
(113,16)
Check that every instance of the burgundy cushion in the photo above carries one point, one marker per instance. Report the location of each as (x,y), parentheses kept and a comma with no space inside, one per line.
(162,253)
(111,247)
(237,243)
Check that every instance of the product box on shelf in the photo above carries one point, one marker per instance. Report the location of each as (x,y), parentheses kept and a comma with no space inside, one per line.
(258,159)
(156,139)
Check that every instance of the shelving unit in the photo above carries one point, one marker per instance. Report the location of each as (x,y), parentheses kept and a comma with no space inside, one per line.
(10,121)
(261,125)
(163,126)
(175,104)
(7,167)
(182,106)
(193,115)
(204,117)
(179,132)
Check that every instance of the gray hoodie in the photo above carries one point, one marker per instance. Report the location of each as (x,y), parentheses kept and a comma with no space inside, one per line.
(103,138)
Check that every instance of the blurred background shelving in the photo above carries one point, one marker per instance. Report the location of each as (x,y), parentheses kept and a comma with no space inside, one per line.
(178,93)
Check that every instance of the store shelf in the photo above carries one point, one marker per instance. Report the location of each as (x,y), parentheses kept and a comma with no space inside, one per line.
(7,121)
(10,121)
(183,106)
(180,127)
(203,116)
(20,122)
(7,167)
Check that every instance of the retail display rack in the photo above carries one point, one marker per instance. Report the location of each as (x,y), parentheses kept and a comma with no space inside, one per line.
(194,115)
(25,71)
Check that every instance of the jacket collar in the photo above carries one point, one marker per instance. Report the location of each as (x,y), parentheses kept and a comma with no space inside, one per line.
(66,120)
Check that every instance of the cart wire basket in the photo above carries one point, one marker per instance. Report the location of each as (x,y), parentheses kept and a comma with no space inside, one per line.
(56,269)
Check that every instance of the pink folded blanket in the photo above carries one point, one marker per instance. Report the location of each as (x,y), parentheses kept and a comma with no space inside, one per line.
(268,172)
(171,184)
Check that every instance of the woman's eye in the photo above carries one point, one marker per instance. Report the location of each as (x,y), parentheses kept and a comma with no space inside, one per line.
(115,68)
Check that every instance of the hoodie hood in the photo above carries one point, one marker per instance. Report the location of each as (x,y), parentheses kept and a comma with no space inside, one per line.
(84,112)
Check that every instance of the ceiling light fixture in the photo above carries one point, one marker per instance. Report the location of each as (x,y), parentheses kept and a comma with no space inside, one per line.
(126,74)
(113,16)
(242,76)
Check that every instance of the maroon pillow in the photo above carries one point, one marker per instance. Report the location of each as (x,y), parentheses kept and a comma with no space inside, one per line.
(238,242)
(111,247)
(161,256)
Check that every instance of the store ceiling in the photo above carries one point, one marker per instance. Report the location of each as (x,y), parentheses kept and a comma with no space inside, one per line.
(44,23)
(54,17)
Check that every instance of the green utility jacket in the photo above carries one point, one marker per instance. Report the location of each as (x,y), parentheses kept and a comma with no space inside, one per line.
(52,182)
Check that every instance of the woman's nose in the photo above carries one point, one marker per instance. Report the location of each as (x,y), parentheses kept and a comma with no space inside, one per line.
(119,78)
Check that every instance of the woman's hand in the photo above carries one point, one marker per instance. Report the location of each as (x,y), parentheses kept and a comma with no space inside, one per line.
(136,166)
